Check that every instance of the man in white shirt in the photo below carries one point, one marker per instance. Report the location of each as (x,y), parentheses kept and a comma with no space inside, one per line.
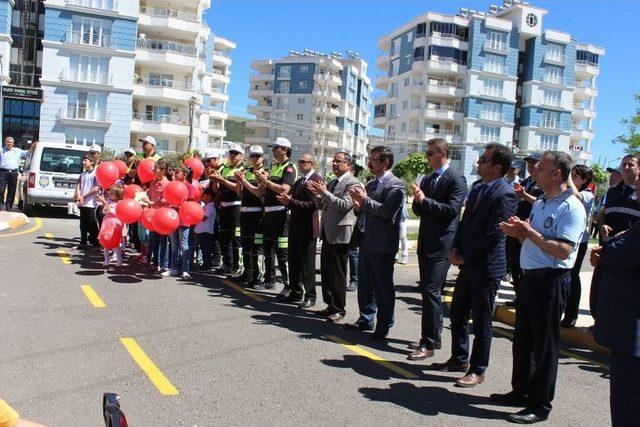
(10,158)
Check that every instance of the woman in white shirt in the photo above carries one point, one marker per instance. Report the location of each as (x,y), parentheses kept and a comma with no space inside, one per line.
(86,192)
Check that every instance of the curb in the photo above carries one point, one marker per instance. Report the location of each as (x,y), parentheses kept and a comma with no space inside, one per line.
(16,220)
(577,336)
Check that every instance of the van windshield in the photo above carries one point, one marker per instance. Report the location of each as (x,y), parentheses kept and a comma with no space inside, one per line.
(61,160)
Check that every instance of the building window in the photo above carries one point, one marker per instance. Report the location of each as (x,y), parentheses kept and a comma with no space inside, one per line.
(394,68)
(497,40)
(492,111)
(88,69)
(492,87)
(489,133)
(409,37)
(555,52)
(407,81)
(393,111)
(301,100)
(406,60)
(299,116)
(421,30)
(403,127)
(395,47)
(394,90)
(162,144)
(455,153)
(86,137)
(304,69)
(494,63)
(86,105)
(548,142)
(283,87)
(302,85)
(551,120)
(552,97)
(93,32)
(553,74)
(405,104)
(284,72)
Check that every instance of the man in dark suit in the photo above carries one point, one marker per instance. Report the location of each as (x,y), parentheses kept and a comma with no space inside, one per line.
(380,204)
(618,322)
(304,228)
(437,201)
(479,251)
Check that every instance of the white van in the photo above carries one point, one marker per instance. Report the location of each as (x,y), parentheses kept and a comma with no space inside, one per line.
(50,175)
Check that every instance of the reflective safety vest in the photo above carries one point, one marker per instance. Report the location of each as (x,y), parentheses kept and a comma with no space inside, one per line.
(248,198)
(276,175)
(227,171)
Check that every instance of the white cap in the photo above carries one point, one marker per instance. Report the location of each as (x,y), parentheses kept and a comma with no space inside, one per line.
(235,147)
(148,139)
(96,148)
(281,142)
(130,151)
(211,153)
(256,149)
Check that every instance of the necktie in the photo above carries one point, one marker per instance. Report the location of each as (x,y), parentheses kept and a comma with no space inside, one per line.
(362,219)
(483,189)
(434,181)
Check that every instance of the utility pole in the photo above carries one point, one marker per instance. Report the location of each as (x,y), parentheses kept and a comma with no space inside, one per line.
(192,104)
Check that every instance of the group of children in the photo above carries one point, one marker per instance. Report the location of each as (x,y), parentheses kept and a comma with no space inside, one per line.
(171,255)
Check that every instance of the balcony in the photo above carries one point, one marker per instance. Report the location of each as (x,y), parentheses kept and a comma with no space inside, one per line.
(379,122)
(215,131)
(449,40)
(585,90)
(174,23)
(380,100)
(333,95)
(492,93)
(549,124)
(445,65)
(450,136)
(381,82)
(260,77)
(219,77)
(493,46)
(78,78)
(579,133)
(494,68)
(327,127)
(257,110)
(217,96)
(328,78)
(159,53)
(260,92)
(162,89)
(329,111)
(553,80)
(583,112)
(89,41)
(160,124)
(443,112)
(218,114)
(586,68)
(487,139)
(109,6)
(82,116)
(382,62)
(491,116)
(221,57)
(555,58)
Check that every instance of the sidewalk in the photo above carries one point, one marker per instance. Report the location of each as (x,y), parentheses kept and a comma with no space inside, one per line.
(10,220)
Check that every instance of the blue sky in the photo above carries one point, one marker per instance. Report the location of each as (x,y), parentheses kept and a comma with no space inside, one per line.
(270,28)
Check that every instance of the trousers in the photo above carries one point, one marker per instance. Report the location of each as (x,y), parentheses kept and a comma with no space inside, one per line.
(230,236)
(302,266)
(376,294)
(333,273)
(251,239)
(275,229)
(8,183)
(433,273)
(88,225)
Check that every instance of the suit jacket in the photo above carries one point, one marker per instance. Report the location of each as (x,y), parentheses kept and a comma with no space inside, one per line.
(618,300)
(381,212)
(304,219)
(439,213)
(338,218)
(478,239)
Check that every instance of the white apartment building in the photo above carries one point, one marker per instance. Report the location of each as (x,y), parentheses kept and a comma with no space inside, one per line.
(477,77)
(321,103)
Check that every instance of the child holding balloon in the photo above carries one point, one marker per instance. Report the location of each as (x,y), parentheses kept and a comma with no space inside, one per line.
(111,230)
(180,240)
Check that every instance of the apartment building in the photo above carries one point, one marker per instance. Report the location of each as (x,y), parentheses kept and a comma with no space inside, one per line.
(115,71)
(479,77)
(320,102)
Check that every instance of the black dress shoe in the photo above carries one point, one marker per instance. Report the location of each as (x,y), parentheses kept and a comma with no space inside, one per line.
(568,323)
(324,313)
(359,326)
(307,303)
(529,416)
(284,294)
(292,299)
(269,284)
(379,335)
(513,398)
(450,365)
(416,345)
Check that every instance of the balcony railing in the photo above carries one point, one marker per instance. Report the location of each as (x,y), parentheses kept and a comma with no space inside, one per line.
(379,115)
(79,76)
(494,68)
(163,83)
(556,80)
(221,53)
(496,93)
(109,5)
(549,124)
(488,138)
(495,46)
(448,36)
(587,63)
(447,59)
(585,85)
(89,39)
(491,115)
(449,108)
(165,46)
(440,133)
(169,13)
(555,57)
(160,118)
(82,113)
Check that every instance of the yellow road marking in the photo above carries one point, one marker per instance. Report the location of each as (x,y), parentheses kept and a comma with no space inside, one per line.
(92,296)
(48,235)
(158,379)
(36,226)
(362,352)
(243,290)
(64,257)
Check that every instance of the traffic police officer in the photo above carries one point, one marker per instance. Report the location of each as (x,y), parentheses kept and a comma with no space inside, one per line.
(280,178)
(230,211)
(251,213)
(620,206)
(549,249)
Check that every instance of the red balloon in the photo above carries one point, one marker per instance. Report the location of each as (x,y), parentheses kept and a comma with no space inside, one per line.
(110,237)
(122,168)
(147,218)
(145,170)
(191,213)
(165,221)
(196,166)
(176,192)
(131,190)
(197,190)
(107,174)
(128,211)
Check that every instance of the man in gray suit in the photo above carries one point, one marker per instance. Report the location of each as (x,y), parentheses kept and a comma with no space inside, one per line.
(381,204)
(337,222)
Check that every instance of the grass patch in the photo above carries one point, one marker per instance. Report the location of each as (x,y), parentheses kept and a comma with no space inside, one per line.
(412,236)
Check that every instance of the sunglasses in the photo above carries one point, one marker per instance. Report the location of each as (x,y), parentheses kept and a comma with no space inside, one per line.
(482,159)
(302,162)
(432,153)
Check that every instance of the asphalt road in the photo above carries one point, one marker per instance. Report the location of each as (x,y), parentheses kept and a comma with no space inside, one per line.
(228,358)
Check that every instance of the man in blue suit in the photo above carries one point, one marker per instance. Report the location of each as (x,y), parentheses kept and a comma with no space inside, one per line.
(479,250)
(380,204)
(618,322)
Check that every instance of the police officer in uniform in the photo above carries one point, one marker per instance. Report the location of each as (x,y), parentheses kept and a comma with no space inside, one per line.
(550,242)
(212,160)
(620,206)
(528,192)
(251,213)
(280,178)
(230,211)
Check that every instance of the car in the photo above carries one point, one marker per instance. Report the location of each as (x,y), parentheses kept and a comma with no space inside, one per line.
(50,175)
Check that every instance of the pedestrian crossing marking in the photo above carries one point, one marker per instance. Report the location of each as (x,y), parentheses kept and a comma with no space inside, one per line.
(64,257)
(243,290)
(92,296)
(362,352)
(156,376)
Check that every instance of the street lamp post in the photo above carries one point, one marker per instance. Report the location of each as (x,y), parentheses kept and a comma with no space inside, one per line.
(192,105)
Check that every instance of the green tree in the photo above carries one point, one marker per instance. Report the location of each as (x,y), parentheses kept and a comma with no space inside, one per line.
(632,123)
(599,174)
(411,166)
